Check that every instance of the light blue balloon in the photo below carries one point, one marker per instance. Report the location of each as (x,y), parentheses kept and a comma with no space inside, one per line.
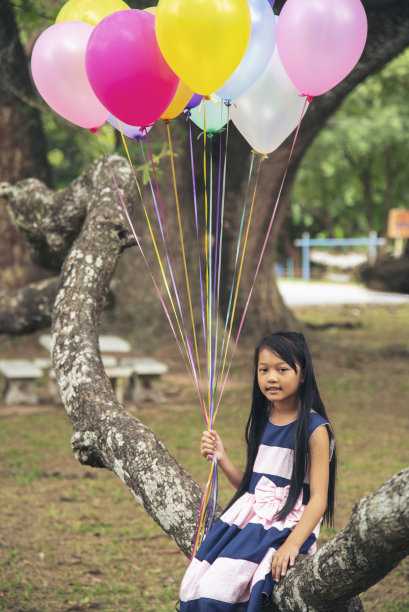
(215,111)
(258,53)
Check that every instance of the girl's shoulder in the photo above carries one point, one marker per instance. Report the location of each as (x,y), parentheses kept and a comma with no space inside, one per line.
(315,421)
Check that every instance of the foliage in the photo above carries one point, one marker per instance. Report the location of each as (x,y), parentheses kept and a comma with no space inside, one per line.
(355,170)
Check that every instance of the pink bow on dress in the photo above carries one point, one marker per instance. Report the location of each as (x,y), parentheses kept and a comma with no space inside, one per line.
(270,499)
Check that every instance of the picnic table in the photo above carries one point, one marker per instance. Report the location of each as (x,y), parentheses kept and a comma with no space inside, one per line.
(132,378)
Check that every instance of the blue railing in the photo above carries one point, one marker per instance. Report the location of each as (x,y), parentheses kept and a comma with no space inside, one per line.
(306,243)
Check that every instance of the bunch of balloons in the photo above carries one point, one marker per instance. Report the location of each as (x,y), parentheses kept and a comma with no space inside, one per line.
(103,61)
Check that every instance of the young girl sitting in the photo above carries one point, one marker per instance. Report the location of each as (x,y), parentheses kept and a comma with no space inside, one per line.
(284,493)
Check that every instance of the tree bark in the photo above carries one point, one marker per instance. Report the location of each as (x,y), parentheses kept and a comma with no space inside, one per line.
(22,147)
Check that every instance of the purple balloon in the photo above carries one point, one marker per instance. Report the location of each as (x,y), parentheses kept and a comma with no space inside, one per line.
(131,131)
(271,3)
(194,101)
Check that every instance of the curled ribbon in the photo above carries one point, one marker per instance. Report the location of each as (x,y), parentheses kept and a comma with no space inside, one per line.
(270,499)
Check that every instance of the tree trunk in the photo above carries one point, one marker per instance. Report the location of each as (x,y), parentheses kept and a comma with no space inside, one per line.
(388,35)
(22,147)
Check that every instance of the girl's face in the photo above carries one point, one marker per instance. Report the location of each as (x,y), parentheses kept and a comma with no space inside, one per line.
(277,380)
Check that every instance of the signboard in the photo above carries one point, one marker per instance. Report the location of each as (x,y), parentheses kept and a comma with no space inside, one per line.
(398,223)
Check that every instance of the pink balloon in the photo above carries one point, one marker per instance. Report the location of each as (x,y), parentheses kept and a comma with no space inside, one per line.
(58,69)
(127,70)
(320,41)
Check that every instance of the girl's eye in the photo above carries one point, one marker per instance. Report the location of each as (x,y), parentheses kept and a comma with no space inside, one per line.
(283,369)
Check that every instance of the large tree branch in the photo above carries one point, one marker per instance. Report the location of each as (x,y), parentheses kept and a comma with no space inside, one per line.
(51,220)
(104,434)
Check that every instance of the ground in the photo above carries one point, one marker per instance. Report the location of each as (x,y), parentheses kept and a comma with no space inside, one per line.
(73,538)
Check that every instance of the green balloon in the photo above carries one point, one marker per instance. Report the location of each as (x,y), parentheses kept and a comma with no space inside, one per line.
(213,111)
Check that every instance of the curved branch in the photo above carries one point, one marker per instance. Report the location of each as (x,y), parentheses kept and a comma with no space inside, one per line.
(26,310)
(51,220)
(104,434)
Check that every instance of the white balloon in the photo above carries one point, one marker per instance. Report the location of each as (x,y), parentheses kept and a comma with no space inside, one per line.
(258,53)
(269,110)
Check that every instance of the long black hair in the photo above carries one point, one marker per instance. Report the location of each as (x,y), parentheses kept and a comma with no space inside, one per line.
(293,349)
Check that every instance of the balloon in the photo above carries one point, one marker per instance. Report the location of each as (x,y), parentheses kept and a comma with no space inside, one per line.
(194,101)
(269,110)
(126,69)
(258,53)
(91,11)
(58,69)
(182,96)
(151,9)
(320,42)
(203,41)
(132,131)
(214,111)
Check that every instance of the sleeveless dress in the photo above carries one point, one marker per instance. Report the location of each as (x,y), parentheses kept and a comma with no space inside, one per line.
(232,567)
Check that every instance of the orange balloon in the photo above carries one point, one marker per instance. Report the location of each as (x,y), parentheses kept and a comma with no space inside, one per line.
(180,99)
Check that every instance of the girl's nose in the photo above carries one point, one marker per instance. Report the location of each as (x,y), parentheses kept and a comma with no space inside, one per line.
(272,376)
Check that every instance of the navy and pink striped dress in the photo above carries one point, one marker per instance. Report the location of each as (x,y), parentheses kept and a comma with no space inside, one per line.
(232,567)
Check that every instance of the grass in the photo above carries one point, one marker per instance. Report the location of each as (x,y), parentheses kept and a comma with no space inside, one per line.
(73,538)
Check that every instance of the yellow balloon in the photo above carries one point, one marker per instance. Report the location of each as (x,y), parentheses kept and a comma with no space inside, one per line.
(203,41)
(180,99)
(90,11)
(151,9)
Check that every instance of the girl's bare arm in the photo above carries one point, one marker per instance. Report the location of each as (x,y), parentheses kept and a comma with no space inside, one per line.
(314,510)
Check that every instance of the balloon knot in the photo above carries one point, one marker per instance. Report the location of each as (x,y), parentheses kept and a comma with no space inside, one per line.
(309,98)
(227,103)
(264,156)
(93,130)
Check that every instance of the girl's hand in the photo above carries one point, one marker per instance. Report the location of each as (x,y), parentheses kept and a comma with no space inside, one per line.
(283,558)
(212,445)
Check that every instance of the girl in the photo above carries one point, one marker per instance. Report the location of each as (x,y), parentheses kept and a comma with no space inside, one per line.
(282,496)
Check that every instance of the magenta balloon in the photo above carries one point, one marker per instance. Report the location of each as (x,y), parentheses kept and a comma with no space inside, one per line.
(320,41)
(127,70)
(58,69)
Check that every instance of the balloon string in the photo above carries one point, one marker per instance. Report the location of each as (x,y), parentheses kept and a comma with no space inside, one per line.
(209,305)
(181,240)
(192,363)
(192,163)
(216,285)
(209,500)
(227,319)
(262,252)
(206,248)
(241,266)
(155,245)
(147,264)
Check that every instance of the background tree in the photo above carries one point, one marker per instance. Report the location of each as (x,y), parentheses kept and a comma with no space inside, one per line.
(388,36)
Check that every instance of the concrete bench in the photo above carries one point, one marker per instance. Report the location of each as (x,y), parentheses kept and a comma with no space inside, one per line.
(20,376)
(144,384)
(107,344)
(134,378)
